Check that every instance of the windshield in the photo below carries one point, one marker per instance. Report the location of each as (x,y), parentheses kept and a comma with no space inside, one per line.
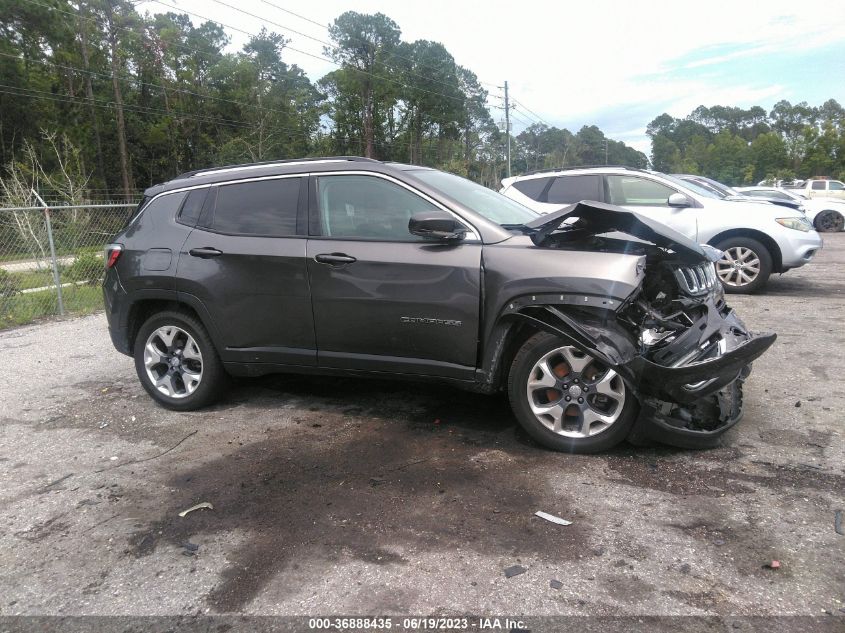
(728,191)
(694,187)
(491,204)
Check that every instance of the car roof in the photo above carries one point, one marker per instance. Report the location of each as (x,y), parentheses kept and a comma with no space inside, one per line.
(582,169)
(225,173)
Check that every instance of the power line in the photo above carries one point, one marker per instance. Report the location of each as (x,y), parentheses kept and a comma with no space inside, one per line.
(320,57)
(324,42)
(41,94)
(537,116)
(326,28)
(136,80)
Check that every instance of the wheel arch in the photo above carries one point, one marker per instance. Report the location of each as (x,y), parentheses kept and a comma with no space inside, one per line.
(595,334)
(146,306)
(770,244)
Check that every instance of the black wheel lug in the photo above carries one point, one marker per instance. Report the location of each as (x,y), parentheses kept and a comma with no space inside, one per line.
(575,381)
(567,398)
(580,400)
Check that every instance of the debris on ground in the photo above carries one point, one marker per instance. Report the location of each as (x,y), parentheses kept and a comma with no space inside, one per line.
(555,584)
(798,404)
(552,518)
(775,564)
(837,523)
(377,481)
(113,458)
(190,548)
(514,570)
(199,506)
(103,425)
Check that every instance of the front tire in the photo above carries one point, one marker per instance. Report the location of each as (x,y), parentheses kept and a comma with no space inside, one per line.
(177,363)
(566,400)
(746,266)
(829,222)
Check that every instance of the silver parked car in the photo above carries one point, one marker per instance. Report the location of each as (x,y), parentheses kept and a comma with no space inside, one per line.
(757,239)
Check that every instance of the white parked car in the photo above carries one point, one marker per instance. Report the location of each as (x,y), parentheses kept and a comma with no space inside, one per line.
(757,239)
(826,214)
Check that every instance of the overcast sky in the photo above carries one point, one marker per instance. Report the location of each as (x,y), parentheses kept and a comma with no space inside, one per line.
(615,64)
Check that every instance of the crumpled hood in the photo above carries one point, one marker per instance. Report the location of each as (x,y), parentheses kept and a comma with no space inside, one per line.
(598,217)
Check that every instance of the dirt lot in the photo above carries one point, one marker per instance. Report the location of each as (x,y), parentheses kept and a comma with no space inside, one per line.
(347,496)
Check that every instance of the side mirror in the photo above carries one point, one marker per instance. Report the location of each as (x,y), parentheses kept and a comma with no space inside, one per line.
(436,225)
(678,200)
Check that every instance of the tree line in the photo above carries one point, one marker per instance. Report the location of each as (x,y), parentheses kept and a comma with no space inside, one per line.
(138,98)
(744,146)
(131,99)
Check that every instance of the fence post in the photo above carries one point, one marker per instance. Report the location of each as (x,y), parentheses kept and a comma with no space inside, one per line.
(56,279)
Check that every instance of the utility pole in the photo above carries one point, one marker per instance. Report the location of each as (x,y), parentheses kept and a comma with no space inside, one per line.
(605,151)
(508,127)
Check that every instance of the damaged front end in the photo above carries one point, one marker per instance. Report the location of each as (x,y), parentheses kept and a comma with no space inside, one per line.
(674,340)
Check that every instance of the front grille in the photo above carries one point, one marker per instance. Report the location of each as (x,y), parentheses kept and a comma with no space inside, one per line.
(697,280)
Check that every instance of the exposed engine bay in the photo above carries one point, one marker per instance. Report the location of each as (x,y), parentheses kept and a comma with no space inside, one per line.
(673,339)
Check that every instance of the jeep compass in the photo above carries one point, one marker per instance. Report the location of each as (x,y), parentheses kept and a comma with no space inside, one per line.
(600,323)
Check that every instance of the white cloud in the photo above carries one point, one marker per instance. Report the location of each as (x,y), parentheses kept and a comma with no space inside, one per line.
(569,61)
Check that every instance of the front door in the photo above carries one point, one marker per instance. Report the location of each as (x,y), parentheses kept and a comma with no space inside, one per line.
(383,299)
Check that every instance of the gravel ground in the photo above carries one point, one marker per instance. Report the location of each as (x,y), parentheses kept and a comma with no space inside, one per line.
(346,496)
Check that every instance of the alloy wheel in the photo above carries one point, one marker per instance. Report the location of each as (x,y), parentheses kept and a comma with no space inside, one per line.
(739,266)
(173,361)
(573,395)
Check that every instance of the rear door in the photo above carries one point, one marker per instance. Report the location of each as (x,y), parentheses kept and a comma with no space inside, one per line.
(245,262)
(383,299)
(650,197)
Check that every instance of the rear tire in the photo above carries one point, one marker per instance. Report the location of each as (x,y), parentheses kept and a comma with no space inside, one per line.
(177,363)
(829,222)
(746,266)
(598,413)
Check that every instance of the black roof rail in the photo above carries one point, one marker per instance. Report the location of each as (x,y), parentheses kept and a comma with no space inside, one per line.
(196,172)
(574,167)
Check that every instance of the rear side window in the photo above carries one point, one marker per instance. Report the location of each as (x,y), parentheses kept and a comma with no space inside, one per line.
(835,185)
(261,207)
(569,189)
(192,207)
(533,187)
(818,184)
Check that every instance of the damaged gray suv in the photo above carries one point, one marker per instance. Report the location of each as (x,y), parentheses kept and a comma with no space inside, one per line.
(601,324)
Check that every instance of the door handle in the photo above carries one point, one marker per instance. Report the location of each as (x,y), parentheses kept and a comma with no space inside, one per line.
(206,252)
(334,259)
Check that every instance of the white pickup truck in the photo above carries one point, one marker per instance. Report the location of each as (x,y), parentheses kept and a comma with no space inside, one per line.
(822,188)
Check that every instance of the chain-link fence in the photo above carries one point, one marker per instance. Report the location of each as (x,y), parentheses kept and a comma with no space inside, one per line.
(51,259)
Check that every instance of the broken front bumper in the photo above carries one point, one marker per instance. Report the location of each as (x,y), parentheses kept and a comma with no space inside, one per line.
(691,404)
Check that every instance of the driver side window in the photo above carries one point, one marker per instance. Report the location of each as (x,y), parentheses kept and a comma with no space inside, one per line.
(367,207)
(633,191)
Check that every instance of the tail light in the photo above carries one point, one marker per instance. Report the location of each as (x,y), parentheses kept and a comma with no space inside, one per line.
(112,254)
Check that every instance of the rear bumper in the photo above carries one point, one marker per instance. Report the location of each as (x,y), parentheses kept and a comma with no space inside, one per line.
(116,303)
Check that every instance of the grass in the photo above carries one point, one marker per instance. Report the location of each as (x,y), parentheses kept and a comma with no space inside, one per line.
(25,308)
